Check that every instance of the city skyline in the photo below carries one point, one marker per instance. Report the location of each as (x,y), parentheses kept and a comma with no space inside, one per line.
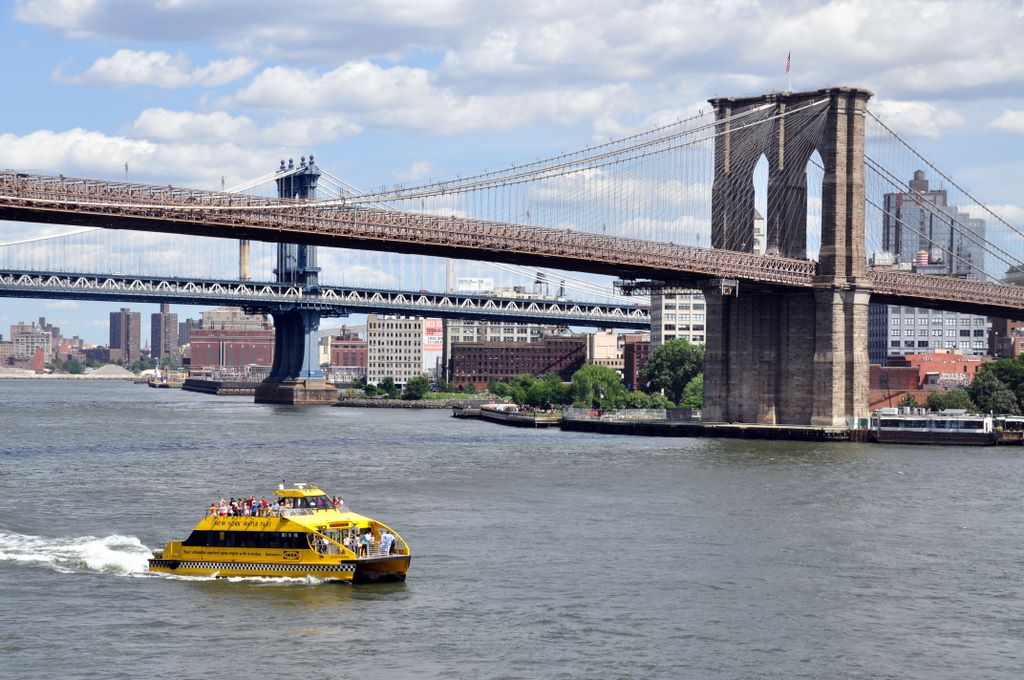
(189,93)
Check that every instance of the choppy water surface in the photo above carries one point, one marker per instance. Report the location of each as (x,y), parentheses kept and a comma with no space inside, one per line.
(537,554)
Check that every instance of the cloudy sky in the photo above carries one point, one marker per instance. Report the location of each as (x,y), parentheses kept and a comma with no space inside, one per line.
(190,91)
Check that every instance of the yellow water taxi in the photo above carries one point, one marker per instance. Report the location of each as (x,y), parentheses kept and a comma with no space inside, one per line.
(303,532)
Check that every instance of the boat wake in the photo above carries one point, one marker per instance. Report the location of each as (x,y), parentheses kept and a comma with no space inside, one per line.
(75,554)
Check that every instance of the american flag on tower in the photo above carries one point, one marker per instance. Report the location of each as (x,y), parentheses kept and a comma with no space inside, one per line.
(789,58)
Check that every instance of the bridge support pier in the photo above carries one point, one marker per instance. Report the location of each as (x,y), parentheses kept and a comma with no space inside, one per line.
(798,358)
(296,378)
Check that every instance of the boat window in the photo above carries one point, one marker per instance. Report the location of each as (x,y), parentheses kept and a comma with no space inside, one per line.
(247,539)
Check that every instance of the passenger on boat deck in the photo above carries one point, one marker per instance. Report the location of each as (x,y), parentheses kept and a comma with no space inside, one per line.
(213,509)
(368,539)
(386,540)
(347,542)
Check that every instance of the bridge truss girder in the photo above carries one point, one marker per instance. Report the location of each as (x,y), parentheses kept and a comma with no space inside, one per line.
(330,301)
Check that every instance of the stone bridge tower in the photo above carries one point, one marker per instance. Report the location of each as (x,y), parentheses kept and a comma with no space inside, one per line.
(791,356)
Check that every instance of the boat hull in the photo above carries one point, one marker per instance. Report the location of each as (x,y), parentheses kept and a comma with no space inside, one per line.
(222,569)
(391,569)
(910,437)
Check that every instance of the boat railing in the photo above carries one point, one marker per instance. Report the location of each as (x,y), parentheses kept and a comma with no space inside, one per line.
(375,551)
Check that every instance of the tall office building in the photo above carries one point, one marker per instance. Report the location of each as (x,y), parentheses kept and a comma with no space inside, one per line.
(163,333)
(922,233)
(400,347)
(125,336)
(677,315)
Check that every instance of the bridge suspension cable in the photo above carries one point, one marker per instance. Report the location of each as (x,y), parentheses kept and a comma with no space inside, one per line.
(944,176)
(954,222)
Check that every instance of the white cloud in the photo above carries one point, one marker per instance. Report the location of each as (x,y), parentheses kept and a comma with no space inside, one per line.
(916,118)
(1014,214)
(161,69)
(1010,121)
(183,125)
(220,126)
(404,98)
(906,49)
(419,170)
(69,15)
(295,131)
(96,154)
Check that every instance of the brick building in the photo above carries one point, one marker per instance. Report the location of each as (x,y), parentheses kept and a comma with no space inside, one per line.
(348,356)
(222,348)
(636,350)
(478,363)
(125,336)
(918,375)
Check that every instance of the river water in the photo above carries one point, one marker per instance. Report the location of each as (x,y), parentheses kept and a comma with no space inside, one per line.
(536,554)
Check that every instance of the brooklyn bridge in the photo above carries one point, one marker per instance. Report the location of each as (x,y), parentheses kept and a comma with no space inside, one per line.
(787,308)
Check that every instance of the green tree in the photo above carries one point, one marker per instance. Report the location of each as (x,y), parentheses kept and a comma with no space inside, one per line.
(73,366)
(388,387)
(672,366)
(141,365)
(909,400)
(955,398)
(1010,372)
(598,386)
(415,388)
(370,390)
(638,399)
(659,400)
(693,395)
(548,391)
(990,395)
(500,389)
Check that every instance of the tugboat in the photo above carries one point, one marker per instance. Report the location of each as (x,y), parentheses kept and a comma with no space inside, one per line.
(302,533)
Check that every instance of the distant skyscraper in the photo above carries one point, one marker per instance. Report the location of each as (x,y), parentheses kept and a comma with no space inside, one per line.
(125,336)
(923,233)
(163,329)
(919,223)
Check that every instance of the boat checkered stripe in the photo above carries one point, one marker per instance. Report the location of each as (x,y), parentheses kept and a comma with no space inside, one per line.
(254,566)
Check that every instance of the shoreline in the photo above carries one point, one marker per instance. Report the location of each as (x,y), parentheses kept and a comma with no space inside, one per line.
(67,376)
(401,403)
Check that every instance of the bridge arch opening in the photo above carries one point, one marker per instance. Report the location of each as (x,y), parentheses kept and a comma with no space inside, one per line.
(759,177)
(815,174)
